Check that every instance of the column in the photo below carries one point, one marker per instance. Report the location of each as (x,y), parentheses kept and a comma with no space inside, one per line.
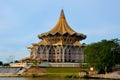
(63,54)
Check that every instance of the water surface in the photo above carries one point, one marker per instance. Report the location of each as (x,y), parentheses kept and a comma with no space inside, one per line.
(21,78)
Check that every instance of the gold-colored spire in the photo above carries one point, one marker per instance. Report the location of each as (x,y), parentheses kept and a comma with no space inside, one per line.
(62,26)
(62,14)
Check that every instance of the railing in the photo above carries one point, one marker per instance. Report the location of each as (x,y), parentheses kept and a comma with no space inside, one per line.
(9,70)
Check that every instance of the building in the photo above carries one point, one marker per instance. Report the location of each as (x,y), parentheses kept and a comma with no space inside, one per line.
(60,44)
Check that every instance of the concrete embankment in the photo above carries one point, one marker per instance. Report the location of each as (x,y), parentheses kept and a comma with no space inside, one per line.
(113,75)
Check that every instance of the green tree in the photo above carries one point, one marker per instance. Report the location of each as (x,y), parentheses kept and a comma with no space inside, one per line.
(103,55)
(6,64)
(16,61)
(116,51)
(1,63)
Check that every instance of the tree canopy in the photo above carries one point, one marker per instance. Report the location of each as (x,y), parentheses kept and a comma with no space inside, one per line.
(103,55)
(1,63)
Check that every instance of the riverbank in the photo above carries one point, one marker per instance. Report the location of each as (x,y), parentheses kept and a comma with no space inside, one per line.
(101,77)
(45,72)
(52,72)
(62,73)
(113,75)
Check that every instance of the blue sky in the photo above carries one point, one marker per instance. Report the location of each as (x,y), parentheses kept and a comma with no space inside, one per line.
(22,20)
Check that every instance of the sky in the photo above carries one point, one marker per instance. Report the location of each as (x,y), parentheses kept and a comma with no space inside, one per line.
(22,20)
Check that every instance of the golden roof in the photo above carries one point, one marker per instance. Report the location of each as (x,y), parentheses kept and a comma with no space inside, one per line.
(43,42)
(33,46)
(30,47)
(77,43)
(59,43)
(62,28)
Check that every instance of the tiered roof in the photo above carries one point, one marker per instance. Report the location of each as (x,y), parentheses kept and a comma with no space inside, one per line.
(62,28)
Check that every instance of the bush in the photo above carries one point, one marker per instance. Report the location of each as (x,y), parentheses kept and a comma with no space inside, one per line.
(68,76)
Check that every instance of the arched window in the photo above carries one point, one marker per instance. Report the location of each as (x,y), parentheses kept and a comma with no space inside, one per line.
(51,54)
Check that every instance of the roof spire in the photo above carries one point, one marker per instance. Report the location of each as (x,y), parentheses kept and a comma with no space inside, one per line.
(62,14)
(62,28)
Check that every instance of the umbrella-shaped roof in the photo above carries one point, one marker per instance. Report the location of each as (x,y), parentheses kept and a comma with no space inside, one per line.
(62,28)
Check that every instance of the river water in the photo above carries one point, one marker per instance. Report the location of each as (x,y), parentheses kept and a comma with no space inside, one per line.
(21,78)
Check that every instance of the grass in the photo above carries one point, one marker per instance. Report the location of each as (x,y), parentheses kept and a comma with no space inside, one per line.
(53,72)
(64,70)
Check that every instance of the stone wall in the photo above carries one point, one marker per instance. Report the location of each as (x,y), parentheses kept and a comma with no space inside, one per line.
(60,64)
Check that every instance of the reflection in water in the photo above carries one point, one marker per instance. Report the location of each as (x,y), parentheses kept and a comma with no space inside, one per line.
(11,78)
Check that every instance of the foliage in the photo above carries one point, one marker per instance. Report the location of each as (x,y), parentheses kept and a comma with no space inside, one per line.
(1,63)
(103,55)
(6,64)
(71,76)
(34,63)
(16,61)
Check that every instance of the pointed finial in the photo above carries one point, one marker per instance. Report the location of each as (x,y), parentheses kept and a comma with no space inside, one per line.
(62,14)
